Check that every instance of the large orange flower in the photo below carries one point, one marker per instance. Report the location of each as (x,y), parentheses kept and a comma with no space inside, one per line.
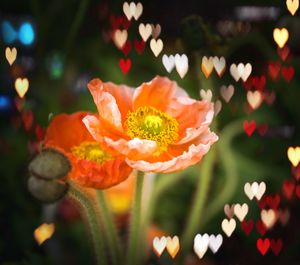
(157,127)
(92,165)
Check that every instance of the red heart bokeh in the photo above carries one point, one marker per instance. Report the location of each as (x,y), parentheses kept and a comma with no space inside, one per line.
(288,72)
(139,46)
(119,22)
(274,69)
(259,82)
(269,97)
(247,226)
(288,188)
(269,201)
(125,65)
(296,172)
(283,52)
(39,132)
(249,127)
(127,47)
(262,129)
(27,118)
(263,245)
(260,227)
(276,246)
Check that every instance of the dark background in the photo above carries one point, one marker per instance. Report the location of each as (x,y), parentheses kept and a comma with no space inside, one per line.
(75,35)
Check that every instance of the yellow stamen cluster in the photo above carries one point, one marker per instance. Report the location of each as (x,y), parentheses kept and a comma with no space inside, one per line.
(152,124)
(91,151)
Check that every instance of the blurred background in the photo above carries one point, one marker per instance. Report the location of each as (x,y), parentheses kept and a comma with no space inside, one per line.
(61,45)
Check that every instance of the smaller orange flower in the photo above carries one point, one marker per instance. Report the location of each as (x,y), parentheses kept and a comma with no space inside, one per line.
(92,165)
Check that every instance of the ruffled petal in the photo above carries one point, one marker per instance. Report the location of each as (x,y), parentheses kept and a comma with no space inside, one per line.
(89,174)
(134,148)
(122,94)
(157,93)
(106,104)
(191,156)
(92,124)
(193,117)
(100,128)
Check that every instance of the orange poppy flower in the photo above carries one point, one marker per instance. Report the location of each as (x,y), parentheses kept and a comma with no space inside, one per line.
(92,165)
(157,127)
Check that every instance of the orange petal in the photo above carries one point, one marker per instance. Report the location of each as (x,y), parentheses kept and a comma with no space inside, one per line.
(191,156)
(122,94)
(90,174)
(100,128)
(157,93)
(106,104)
(92,124)
(193,117)
(134,148)
(66,131)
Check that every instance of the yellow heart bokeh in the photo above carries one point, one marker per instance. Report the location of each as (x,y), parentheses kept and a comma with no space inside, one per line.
(268,217)
(207,66)
(241,211)
(145,31)
(294,155)
(292,6)
(281,36)
(43,232)
(254,99)
(11,55)
(228,226)
(120,38)
(156,46)
(173,246)
(21,86)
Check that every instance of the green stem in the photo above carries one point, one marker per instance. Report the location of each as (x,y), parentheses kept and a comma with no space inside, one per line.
(198,204)
(135,223)
(93,223)
(163,183)
(227,160)
(110,229)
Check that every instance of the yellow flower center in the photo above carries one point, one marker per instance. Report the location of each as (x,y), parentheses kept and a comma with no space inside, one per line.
(152,124)
(91,151)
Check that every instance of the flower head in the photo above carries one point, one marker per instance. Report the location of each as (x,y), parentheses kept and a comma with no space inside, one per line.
(92,164)
(157,127)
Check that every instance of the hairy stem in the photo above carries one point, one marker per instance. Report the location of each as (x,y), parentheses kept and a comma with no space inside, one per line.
(109,228)
(94,224)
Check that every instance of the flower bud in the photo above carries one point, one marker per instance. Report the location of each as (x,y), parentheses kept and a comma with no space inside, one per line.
(47,191)
(49,164)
